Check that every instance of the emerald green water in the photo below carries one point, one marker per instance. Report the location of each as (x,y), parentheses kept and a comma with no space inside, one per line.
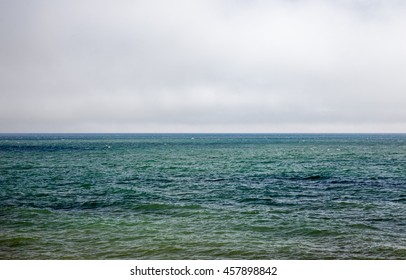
(202,196)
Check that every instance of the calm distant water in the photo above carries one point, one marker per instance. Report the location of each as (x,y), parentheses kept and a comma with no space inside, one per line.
(202,196)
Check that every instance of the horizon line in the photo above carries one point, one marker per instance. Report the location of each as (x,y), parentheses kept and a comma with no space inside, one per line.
(3,133)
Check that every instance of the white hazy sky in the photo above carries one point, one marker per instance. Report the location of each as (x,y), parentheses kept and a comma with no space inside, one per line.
(203,66)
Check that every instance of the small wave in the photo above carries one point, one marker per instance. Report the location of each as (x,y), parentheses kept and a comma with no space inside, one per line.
(162,206)
(402,199)
(216,180)
(313,177)
(363,226)
(86,185)
(252,212)
(255,200)
(92,205)
(24,167)
(340,181)
(313,232)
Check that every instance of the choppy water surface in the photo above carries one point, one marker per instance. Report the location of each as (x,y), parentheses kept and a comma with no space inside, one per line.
(197,196)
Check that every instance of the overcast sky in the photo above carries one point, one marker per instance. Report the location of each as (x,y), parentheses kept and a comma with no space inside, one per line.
(203,66)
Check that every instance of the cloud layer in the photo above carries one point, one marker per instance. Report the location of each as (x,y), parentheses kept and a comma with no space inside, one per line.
(203,66)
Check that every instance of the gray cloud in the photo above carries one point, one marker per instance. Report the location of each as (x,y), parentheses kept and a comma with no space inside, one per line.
(202,66)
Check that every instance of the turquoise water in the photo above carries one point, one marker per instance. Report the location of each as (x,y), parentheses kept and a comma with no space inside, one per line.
(202,196)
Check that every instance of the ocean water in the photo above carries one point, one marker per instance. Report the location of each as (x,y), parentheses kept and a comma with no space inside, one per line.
(203,196)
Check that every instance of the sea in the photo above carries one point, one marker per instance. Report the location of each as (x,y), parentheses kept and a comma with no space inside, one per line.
(203,196)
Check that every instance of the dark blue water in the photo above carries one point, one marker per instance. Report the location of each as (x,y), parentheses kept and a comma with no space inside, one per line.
(203,196)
